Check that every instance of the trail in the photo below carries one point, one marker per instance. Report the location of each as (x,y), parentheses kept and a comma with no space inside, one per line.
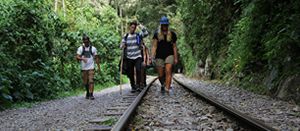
(68,113)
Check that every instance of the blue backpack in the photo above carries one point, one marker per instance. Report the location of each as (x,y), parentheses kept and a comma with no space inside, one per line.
(124,67)
(138,38)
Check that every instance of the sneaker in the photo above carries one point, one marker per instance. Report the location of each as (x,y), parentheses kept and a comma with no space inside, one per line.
(167,89)
(92,96)
(162,89)
(142,86)
(170,92)
(139,89)
(133,90)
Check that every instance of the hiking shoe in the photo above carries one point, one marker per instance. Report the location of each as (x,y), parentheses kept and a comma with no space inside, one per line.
(139,89)
(87,96)
(92,98)
(144,85)
(162,89)
(170,92)
(133,90)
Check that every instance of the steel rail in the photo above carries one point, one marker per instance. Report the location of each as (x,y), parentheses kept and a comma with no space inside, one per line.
(122,123)
(239,115)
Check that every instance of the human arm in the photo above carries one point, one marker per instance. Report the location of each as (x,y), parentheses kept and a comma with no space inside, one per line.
(148,56)
(97,58)
(144,33)
(79,57)
(123,42)
(145,55)
(174,39)
(175,53)
(153,50)
(98,62)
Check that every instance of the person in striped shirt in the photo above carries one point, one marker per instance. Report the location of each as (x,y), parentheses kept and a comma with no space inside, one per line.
(131,42)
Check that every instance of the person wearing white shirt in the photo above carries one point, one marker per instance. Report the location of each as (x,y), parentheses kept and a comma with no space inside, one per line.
(87,54)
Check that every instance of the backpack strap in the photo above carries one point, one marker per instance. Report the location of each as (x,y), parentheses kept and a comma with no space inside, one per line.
(138,38)
(125,38)
(90,50)
(82,50)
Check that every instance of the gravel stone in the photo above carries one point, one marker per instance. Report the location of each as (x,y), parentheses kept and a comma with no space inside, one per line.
(72,113)
(178,111)
(281,115)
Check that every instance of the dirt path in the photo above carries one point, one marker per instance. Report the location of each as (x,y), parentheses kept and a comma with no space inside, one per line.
(69,113)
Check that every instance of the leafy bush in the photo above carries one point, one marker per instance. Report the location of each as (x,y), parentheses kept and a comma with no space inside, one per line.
(39,45)
(246,39)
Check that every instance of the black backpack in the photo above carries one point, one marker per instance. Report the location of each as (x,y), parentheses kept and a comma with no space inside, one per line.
(87,53)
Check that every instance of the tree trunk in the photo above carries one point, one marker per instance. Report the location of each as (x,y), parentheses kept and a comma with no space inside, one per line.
(55,5)
(122,23)
(64,7)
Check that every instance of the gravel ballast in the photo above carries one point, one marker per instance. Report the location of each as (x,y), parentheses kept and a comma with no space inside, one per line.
(76,113)
(72,113)
(180,110)
(279,114)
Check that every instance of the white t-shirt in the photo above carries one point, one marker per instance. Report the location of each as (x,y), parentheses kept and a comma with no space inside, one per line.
(90,64)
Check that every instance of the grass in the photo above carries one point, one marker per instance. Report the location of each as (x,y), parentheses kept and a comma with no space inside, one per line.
(23,105)
(297,114)
(110,122)
(81,90)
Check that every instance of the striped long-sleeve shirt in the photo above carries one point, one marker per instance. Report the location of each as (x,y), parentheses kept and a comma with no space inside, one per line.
(132,48)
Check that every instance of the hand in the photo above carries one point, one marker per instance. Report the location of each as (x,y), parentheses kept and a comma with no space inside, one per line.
(144,63)
(175,61)
(123,46)
(141,25)
(150,60)
(84,60)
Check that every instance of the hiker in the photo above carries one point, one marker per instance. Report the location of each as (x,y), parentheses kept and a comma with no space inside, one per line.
(86,54)
(131,43)
(164,53)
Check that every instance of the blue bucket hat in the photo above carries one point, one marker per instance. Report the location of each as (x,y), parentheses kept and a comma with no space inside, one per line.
(164,20)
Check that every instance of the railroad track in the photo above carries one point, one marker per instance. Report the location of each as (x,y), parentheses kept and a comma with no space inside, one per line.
(253,123)
(181,109)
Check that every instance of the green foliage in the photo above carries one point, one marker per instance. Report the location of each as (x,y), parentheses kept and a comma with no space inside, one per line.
(247,39)
(149,12)
(39,45)
(207,33)
(110,122)
(265,39)
(27,34)
(186,56)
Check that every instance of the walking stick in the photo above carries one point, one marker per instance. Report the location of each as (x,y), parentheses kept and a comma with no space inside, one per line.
(121,69)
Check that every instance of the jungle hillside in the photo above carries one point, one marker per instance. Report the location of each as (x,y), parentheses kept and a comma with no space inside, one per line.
(252,44)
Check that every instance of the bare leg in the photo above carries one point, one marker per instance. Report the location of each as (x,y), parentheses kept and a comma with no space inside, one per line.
(168,76)
(91,84)
(85,83)
(160,71)
(91,88)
